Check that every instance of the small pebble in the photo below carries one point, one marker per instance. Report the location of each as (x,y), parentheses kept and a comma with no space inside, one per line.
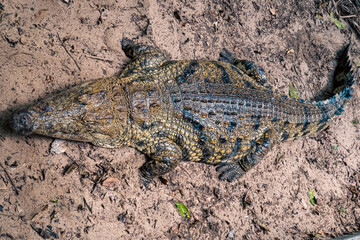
(231,234)
(58,146)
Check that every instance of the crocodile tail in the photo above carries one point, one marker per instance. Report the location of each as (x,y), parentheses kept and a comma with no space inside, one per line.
(316,116)
(341,89)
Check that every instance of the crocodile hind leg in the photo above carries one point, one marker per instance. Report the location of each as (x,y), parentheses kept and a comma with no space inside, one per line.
(250,68)
(232,171)
(144,57)
(165,156)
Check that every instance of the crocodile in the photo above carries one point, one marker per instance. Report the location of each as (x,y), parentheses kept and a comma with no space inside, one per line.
(222,113)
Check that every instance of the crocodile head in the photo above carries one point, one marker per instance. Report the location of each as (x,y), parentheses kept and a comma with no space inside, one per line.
(89,112)
(61,116)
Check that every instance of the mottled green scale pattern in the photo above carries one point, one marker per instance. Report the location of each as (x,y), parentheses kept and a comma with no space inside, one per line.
(217,112)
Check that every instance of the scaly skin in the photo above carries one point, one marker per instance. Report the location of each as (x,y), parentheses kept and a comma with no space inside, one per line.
(217,112)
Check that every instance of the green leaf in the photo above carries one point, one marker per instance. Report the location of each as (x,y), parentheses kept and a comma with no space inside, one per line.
(263,226)
(56,201)
(312,197)
(357,63)
(182,209)
(293,92)
(343,210)
(318,235)
(335,147)
(355,121)
(314,235)
(337,22)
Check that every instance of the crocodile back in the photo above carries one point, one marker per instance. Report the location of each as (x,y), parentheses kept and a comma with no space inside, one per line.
(219,96)
(216,107)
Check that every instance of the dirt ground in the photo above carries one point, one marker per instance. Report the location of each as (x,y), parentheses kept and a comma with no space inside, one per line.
(86,192)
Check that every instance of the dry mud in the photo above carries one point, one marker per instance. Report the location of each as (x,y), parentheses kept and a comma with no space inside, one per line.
(48,46)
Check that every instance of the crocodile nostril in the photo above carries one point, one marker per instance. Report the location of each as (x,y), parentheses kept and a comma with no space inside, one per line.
(22,123)
(24,119)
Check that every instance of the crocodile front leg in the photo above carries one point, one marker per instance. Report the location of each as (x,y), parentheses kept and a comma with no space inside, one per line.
(250,68)
(145,58)
(165,156)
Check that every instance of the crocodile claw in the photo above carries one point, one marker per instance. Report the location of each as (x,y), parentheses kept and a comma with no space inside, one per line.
(145,182)
(229,172)
(227,56)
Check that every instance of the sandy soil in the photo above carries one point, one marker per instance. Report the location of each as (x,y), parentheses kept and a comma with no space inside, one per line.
(48,46)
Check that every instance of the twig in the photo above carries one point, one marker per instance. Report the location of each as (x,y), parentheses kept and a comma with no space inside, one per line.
(10,180)
(101,59)
(335,6)
(349,16)
(63,45)
(87,205)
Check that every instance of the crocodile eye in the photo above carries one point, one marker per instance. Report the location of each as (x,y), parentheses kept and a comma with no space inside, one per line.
(22,123)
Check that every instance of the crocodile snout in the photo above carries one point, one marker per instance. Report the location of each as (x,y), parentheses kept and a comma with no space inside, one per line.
(22,123)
